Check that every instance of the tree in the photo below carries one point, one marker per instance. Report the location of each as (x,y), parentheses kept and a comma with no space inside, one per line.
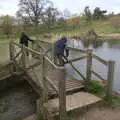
(50,16)
(7,22)
(33,9)
(88,14)
(98,13)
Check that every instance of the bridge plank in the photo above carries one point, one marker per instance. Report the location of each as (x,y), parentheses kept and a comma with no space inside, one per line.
(74,101)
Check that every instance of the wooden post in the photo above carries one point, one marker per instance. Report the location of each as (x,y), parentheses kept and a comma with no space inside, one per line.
(44,80)
(110,78)
(53,52)
(89,67)
(62,95)
(23,57)
(11,50)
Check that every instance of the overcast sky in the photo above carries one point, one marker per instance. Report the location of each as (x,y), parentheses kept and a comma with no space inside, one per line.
(75,6)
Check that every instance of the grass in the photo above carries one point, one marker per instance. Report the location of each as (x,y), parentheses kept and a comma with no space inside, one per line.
(99,90)
(100,27)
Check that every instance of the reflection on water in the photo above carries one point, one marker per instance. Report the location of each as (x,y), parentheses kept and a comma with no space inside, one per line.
(108,50)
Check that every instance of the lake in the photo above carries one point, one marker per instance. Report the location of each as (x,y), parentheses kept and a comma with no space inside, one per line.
(108,50)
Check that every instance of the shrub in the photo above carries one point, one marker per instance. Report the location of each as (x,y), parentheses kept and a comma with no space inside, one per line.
(95,87)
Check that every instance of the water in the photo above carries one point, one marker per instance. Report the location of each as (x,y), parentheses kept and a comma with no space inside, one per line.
(108,50)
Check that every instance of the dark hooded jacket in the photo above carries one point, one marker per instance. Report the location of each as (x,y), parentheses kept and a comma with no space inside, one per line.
(60,45)
(24,39)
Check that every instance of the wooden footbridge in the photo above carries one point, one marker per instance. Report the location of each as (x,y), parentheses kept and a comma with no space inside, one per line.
(59,92)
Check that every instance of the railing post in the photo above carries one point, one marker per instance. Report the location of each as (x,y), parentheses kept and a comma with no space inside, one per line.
(62,94)
(110,78)
(11,49)
(89,67)
(53,52)
(23,57)
(45,90)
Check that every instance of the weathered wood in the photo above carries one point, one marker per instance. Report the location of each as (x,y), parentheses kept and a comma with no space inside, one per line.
(49,81)
(52,64)
(33,66)
(100,59)
(62,96)
(89,67)
(11,50)
(17,54)
(110,80)
(75,101)
(99,76)
(5,77)
(53,52)
(77,49)
(76,59)
(23,59)
(77,71)
(27,49)
(44,80)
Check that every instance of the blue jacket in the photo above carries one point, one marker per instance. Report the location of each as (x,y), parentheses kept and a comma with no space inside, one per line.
(60,45)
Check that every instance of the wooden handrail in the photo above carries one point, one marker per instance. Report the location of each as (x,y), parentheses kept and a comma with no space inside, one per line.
(55,66)
(99,76)
(100,59)
(17,54)
(34,65)
(77,71)
(27,49)
(76,59)
(49,81)
(77,49)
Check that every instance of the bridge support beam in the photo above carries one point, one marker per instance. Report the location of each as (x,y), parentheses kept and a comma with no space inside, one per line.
(110,78)
(62,95)
(89,67)
(11,50)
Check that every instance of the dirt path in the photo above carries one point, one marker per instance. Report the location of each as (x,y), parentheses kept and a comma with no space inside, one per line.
(110,36)
(100,114)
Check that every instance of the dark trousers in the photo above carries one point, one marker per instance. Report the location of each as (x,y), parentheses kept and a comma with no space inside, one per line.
(61,59)
(26,45)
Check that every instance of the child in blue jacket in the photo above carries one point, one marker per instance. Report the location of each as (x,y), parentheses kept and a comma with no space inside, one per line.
(60,47)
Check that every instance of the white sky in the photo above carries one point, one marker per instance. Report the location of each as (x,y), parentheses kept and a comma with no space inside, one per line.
(75,6)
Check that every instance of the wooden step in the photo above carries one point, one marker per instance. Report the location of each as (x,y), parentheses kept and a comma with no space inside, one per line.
(73,102)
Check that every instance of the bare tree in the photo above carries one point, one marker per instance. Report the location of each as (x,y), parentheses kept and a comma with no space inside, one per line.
(88,14)
(50,16)
(33,9)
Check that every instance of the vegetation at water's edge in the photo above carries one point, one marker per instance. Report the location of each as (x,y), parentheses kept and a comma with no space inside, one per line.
(96,88)
(99,90)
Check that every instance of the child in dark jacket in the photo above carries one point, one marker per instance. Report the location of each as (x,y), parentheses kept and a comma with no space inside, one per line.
(60,47)
(24,39)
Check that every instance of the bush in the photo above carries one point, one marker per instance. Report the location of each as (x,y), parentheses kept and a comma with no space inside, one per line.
(95,87)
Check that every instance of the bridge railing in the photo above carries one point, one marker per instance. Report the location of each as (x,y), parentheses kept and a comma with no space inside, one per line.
(110,75)
(89,56)
(38,67)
